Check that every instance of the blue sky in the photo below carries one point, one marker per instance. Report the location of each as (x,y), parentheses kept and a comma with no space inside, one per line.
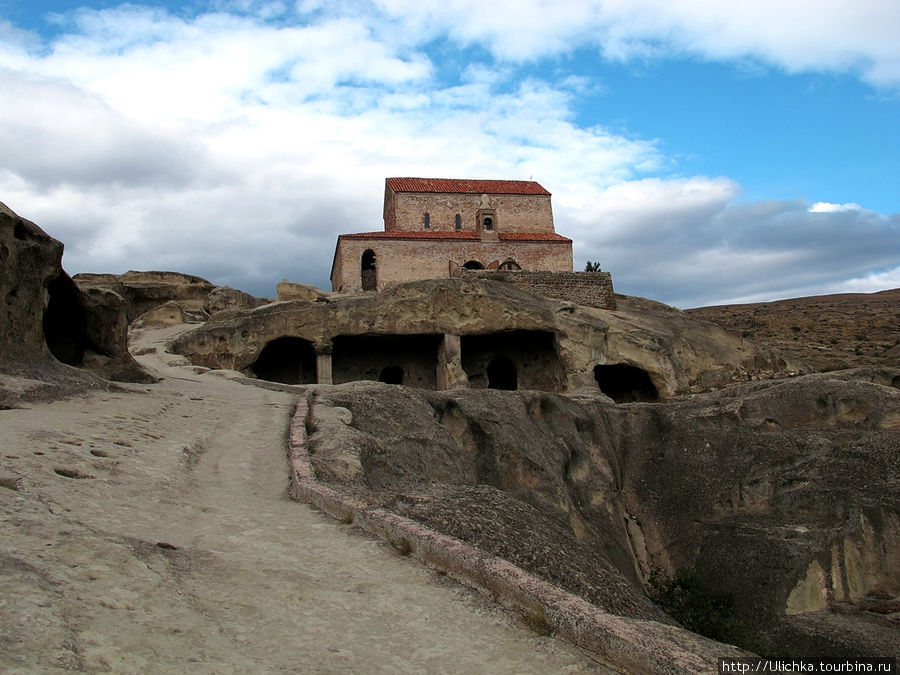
(703,152)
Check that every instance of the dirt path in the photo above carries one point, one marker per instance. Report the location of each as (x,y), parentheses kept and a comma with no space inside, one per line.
(150,531)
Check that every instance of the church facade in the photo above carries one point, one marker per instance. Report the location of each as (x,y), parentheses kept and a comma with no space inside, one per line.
(432,226)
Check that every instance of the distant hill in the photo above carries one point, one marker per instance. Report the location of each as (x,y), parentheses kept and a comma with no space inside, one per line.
(829,332)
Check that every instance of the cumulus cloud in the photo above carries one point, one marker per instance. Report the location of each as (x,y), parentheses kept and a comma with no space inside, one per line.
(227,147)
(807,35)
(236,148)
(690,244)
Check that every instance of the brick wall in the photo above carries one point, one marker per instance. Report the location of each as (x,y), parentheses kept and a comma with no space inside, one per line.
(593,289)
(514,213)
(403,260)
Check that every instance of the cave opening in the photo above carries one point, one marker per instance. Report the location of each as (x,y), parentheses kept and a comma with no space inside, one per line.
(64,322)
(411,360)
(516,359)
(625,383)
(289,360)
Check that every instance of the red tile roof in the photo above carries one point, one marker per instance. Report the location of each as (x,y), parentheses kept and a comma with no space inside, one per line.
(466,186)
(465,235)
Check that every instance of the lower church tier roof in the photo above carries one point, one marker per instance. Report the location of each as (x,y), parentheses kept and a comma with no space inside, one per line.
(465,235)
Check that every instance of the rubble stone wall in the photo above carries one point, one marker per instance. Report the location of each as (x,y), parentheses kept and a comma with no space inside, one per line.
(403,260)
(592,289)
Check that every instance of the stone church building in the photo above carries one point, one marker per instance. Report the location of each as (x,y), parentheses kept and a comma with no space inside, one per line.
(433,226)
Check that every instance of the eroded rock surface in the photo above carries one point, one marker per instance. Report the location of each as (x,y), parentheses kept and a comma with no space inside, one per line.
(144,291)
(29,262)
(223,298)
(784,496)
(45,319)
(553,346)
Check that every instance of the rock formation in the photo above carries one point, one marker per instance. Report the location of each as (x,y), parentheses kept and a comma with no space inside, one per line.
(45,318)
(222,298)
(643,350)
(781,496)
(144,291)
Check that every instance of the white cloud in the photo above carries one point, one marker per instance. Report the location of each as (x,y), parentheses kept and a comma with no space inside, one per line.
(237,150)
(857,36)
(226,147)
(706,249)
(869,283)
(828,207)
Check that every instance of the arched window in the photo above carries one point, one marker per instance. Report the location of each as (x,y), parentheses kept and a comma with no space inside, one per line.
(367,269)
(473,265)
(427,220)
(510,264)
(488,223)
(458,222)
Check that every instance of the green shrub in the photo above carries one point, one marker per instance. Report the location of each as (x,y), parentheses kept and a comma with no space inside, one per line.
(699,609)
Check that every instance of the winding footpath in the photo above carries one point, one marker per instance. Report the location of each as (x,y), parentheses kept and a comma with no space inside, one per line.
(151,531)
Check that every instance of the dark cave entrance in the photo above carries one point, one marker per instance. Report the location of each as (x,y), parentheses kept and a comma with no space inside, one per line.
(473,265)
(289,360)
(625,383)
(516,359)
(410,360)
(501,374)
(64,322)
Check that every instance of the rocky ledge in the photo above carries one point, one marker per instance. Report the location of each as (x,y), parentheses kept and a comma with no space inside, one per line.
(776,500)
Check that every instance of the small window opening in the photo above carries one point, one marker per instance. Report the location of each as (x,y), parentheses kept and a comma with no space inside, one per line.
(473,265)
(427,220)
(368,271)
(489,223)
(391,375)
(510,265)
(502,374)
(458,221)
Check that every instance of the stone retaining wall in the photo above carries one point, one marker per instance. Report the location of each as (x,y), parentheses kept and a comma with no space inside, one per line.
(593,289)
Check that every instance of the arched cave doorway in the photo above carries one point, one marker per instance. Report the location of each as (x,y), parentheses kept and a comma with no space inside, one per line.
(289,360)
(473,265)
(391,375)
(625,383)
(502,374)
(529,358)
(367,270)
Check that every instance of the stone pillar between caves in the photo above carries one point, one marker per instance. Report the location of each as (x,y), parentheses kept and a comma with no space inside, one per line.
(323,368)
(450,373)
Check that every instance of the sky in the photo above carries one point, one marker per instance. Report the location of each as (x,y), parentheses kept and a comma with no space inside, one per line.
(703,152)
